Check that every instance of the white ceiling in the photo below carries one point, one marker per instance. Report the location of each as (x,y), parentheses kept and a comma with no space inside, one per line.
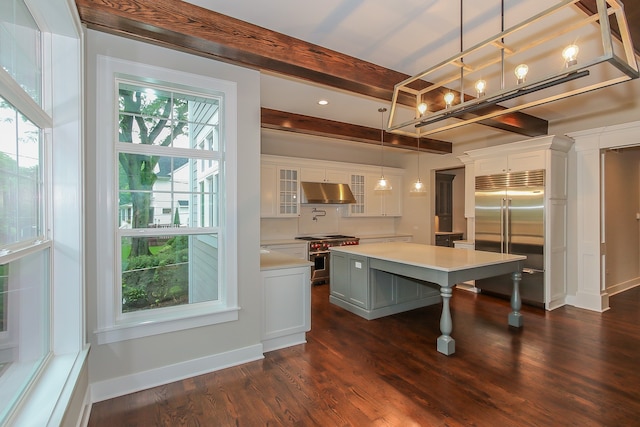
(407,36)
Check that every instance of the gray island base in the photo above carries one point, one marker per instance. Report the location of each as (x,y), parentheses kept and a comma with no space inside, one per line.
(381,279)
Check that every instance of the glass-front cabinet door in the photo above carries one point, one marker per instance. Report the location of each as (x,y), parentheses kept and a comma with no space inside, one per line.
(288,192)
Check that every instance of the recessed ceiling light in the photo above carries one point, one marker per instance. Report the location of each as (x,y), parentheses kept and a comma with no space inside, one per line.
(323,102)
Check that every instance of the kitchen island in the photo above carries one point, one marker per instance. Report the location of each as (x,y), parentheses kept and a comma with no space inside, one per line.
(387,278)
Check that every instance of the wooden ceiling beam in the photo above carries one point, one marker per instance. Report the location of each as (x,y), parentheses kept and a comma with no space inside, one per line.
(298,123)
(187,27)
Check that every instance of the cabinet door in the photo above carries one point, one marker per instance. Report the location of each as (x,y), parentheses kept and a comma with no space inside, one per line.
(392,200)
(268,191)
(312,174)
(336,176)
(288,192)
(491,166)
(358,281)
(357,183)
(533,160)
(339,284)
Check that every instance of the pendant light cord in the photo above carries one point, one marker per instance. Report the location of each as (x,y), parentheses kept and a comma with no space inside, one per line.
(381,110)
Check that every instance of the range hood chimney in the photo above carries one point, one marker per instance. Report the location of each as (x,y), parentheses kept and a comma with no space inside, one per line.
(326,193)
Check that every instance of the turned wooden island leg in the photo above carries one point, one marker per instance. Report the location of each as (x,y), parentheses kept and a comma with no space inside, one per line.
(515,317)
(446,344)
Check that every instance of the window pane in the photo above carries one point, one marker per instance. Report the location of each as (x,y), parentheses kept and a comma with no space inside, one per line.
(20,47)
(24,339)
(157,191)
(164,271)
(164,118)
(21,185)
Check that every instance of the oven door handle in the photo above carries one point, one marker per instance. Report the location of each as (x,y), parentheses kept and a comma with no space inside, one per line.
(318,253)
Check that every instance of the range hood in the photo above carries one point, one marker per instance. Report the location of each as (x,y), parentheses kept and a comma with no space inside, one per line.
(326,193)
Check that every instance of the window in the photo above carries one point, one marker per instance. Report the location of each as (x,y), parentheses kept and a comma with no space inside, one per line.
(38,330)
(171,254)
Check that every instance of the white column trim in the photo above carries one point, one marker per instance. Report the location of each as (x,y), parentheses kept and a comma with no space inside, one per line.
(591,293)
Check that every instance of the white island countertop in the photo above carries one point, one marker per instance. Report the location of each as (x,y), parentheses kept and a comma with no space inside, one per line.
(273,260)
(428,256)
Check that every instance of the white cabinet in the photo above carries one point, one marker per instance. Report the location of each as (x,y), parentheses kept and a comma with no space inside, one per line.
(375,203)
(515,162)
(281,178)
(384,203)
(279,191)
(268,191)
(311,174)
(286,311)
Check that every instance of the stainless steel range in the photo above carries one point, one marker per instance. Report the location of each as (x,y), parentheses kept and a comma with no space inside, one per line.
(319,253)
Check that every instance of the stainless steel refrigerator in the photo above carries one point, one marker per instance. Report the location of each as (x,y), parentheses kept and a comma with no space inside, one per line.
(510,219)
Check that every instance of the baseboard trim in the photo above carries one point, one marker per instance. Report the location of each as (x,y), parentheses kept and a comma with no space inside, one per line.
(127,384)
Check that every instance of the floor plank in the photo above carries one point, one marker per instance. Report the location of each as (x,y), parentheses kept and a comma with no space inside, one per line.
(565,367)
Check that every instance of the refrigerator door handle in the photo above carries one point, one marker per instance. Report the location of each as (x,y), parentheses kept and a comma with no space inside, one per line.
(507,226)
(503,225)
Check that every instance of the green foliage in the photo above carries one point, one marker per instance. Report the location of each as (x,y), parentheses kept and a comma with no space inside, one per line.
(159,280)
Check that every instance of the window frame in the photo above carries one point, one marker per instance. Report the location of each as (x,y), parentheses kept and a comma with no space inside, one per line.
(46,399)
(111,328)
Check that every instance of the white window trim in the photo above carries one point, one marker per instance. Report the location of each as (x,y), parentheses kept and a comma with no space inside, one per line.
(108,330)
(47,400)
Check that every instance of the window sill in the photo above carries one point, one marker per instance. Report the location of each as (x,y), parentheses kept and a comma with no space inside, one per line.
(48,400)
(139,330)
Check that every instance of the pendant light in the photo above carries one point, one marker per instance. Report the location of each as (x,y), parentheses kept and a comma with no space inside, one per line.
(382,184)
(418,187)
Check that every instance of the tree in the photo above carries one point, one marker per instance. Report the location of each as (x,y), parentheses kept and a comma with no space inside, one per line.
(176,218)
(155,120)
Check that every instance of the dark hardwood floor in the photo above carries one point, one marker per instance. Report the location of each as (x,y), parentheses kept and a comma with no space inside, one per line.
(568,367)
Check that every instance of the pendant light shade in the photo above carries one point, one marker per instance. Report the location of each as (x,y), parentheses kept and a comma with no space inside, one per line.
(418,187)
(382,184)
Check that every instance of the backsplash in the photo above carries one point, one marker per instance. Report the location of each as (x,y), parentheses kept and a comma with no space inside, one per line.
(329,220)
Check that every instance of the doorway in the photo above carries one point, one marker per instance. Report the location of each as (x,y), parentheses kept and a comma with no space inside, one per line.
(449,199)
(621,222)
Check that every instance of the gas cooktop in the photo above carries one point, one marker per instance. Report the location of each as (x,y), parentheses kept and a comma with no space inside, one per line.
(328,237)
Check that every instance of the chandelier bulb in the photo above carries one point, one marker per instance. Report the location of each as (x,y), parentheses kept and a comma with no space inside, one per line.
(448,99)
(570,55)
(481,87)
(521,72)
(422,108)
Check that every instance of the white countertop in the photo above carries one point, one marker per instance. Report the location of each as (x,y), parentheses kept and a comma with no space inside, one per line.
(273,260)
(384,236)
(281,242)
(428,256)
(446,233)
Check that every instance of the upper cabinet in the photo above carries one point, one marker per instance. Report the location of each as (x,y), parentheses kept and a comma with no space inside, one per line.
(514,162)
(375,203)
(313,174)
(279,191)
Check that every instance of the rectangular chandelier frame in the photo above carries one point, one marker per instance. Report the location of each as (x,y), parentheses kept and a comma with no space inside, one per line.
(625,63)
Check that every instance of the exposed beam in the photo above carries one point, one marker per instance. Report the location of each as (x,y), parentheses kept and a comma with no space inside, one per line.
(298,123)
(183,26)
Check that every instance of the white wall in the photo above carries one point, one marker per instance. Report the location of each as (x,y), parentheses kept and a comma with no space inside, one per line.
(124,366)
